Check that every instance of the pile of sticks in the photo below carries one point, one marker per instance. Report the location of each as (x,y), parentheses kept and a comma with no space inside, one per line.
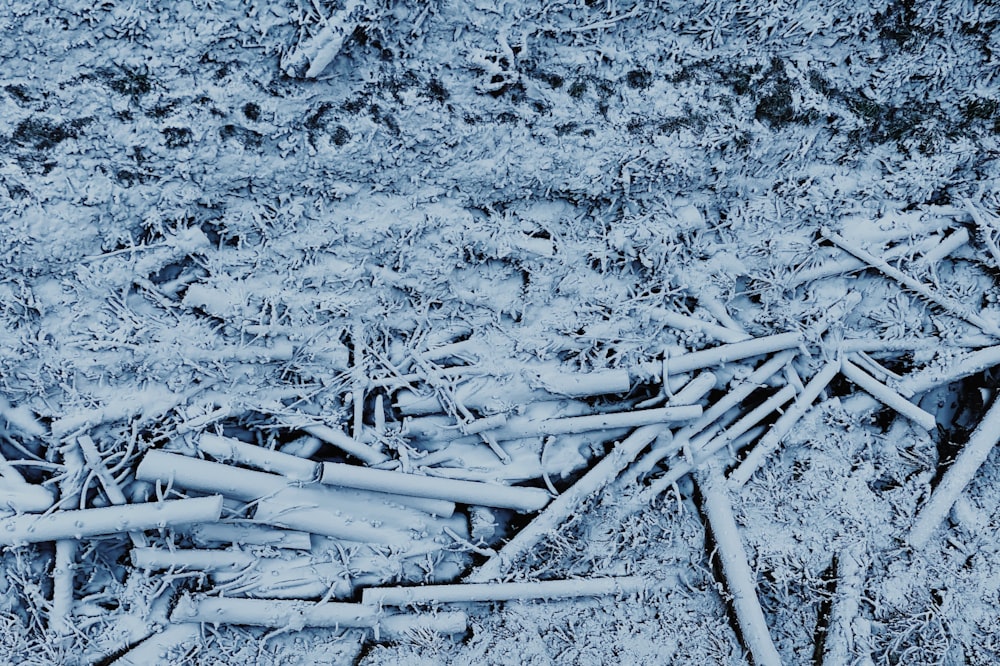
(286,538)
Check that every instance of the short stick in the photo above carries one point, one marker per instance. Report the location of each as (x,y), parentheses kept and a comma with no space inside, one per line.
(520,428)
(688,323)
(968,462)
(549,589)
(887,396)
(82,523)
(111,487)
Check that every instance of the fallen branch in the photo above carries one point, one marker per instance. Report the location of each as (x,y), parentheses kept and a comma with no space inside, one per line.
(249,485)
(520,428)
(723,354)
(955,240)
(705,452)
(688,323)
(311,57)
(227,449)
(463,492)
(887,396)
(279,613)
(160,647)
(23,497)
(82,523)
(250,534)
(772,440)
(839,640)
(961,471)
(493,395)
(464,592)
(111,487)
(740,578)
(560,509)
(342,441)
(734,397)
(949,304)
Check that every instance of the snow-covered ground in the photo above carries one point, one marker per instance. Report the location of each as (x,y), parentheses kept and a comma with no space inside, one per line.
(291,223)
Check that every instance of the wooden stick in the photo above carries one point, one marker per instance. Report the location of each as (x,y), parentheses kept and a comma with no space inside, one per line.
(559,510)
(688,323)
(734,397)
(226,449)
(204,560)
(250,534)
(465,592)
(111,487)
(521,428)
(955,240)
(705,452)
(837,645)
(82,523)
(725,354)
(279,613)
(247,485)
(161,647)
(968,462)
(23,497)
(463,492)
(492,395)
(362,452)
(772,440)
(740,578)
(70,487)
(911,344)
(887,396)
(952,306)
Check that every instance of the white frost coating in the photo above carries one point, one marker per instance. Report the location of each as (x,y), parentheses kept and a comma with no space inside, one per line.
(887,396)
(281,613)
(772,440)
(968,462)
(548,589)
(954,241)
(740,578)
(736,395)
(561,507)
(311,57)
(81,523)
(709,448)
(465,492)
(20,496)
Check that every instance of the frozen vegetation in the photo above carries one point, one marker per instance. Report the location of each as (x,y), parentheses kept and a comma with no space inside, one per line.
(481,332)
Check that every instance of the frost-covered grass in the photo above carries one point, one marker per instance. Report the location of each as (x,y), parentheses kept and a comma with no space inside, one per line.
(191,240)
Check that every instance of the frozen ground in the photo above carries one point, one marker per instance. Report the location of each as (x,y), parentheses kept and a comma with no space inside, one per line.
(191,240)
